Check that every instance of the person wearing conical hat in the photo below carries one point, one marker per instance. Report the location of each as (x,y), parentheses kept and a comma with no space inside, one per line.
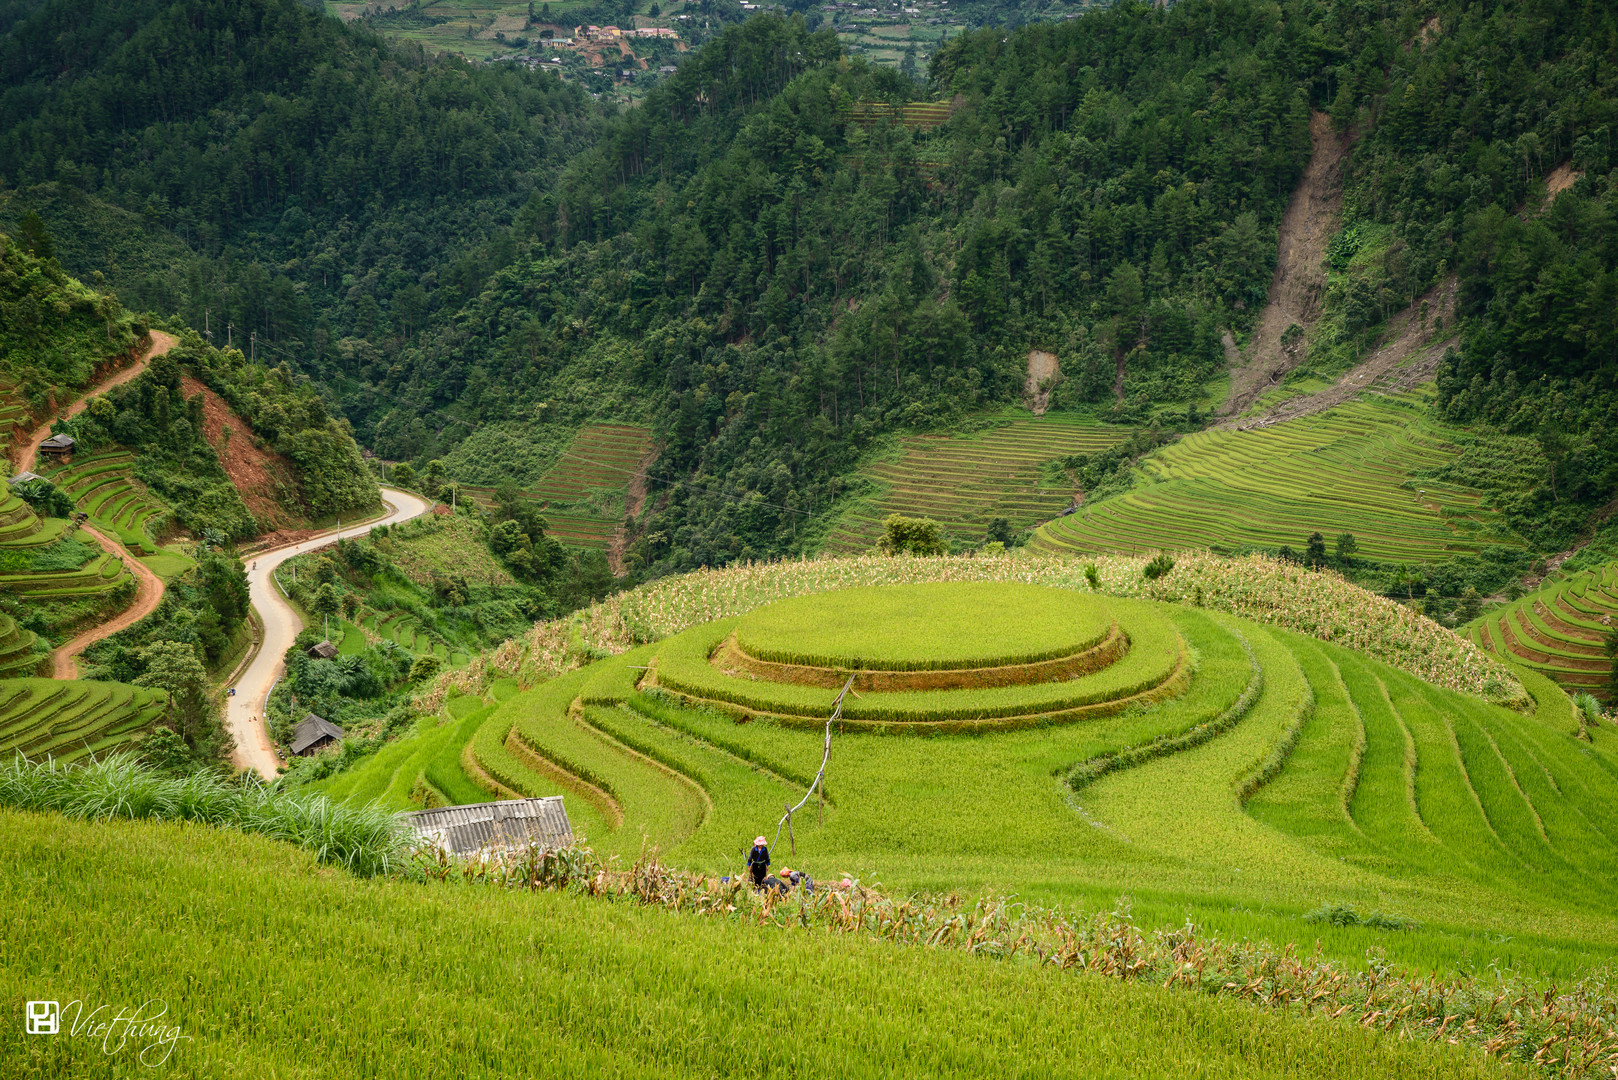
(758,861)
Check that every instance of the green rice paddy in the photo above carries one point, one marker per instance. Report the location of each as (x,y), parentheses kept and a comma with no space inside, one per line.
(442,981)
(69,720)
(583,493)
(1283,776)
(1560,629)
(1355,469)
(103,487)
(966,481)
(926,627)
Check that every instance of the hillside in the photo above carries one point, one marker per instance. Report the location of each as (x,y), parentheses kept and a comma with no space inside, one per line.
(498,960)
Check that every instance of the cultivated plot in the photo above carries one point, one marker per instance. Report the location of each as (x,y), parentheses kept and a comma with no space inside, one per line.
(964,482)
(1357,469)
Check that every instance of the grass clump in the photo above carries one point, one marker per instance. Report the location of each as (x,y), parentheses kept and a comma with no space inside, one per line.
(1345,915)
(363,839)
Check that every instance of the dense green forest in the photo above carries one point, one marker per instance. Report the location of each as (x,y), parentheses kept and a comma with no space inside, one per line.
(53,329)
(780,285)
(469,261)
(323,184)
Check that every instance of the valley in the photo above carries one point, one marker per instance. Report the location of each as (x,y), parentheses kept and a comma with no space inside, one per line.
(728,539)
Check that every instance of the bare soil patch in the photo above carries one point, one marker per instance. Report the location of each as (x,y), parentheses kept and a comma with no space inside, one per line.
(1559,180)
(1407,357)
(257,474)
(1300,278)
(1041,366)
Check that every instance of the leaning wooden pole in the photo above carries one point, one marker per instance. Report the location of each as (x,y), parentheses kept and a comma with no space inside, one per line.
(825,756)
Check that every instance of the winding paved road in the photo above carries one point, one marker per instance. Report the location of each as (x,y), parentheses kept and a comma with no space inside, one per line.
(244,711)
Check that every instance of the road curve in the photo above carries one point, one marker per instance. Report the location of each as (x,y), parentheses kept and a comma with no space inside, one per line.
(148,594)
(244,711)
(160,344)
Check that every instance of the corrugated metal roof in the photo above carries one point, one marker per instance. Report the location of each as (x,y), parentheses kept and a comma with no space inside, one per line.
(510,823)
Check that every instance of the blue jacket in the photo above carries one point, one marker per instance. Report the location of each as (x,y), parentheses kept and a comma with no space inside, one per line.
(758,856)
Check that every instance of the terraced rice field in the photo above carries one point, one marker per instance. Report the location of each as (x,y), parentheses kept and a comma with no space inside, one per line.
(1284,774)
(598,462)
(69,720)
(1560,630)
(406,630)
(964,482)
(1348,470)
(21,528)
(18,655)
(102,487)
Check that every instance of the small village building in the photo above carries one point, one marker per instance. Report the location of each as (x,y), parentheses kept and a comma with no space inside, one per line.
(324,651)
(57,446)
(26,478)
(314,734)
(508,825)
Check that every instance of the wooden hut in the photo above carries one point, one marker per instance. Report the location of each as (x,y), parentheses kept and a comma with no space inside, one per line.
(57,446)
(314,734)
(324,651)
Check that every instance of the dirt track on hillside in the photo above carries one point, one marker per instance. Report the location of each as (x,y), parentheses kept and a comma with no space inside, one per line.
(160,343)
(1300,277)
(148,594)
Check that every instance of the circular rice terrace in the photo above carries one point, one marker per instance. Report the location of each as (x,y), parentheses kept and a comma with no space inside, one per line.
(942,657)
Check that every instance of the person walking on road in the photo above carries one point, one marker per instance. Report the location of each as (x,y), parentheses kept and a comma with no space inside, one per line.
(758,861)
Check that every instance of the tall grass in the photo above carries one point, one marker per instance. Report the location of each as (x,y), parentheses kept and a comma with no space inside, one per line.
(365,840)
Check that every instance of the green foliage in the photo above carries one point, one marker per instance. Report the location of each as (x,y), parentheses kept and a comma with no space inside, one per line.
(911,536)
(204,609)
(46,498)
(363,840)
(1159,566)
(152,417)
(425,667)
(287,412)
(53,330)
(173,667)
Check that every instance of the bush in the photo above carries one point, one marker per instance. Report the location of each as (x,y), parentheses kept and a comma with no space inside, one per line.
(911,536)
(1156,568)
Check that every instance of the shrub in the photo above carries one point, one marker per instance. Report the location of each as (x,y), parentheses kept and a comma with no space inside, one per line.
(911,536)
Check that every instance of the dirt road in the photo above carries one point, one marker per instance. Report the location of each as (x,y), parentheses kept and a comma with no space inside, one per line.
(244,712)
(148,594)
(160,344)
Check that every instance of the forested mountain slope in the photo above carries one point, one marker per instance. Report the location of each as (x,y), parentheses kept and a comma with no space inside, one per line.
(322,179)
(475,261)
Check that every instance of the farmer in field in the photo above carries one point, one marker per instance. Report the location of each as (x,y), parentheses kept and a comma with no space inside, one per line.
(758,861)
